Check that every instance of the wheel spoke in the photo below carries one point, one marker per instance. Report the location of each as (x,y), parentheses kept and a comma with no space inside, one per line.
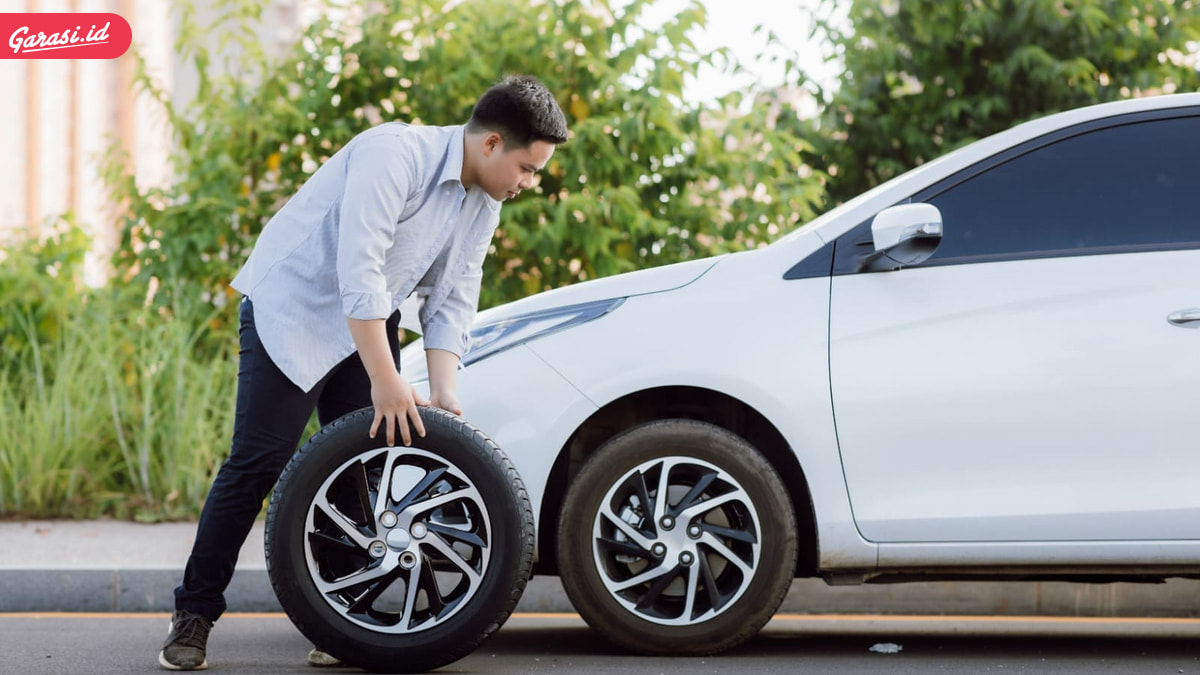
(629,530)
(722,550)
(429,585)
(727,533)
(385,482)
(353,579)
(693,495)
(364,601)
(466,537)
(359,475)
(652,573)
(347,526)
(660,584)
(410,596)
(454,557)
(424,506)
(421,486)
(710,584)
(693,578)
(622,547)
(321,542)
(695,510)
(643,495)
(660,499)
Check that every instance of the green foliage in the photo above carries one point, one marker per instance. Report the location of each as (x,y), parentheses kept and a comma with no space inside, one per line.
(646,178)
(107,406)
(36,279)
(923,76)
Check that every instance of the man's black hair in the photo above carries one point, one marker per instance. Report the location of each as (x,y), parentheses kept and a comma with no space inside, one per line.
(522,110)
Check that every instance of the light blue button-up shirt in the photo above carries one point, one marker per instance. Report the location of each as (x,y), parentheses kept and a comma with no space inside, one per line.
(387,215)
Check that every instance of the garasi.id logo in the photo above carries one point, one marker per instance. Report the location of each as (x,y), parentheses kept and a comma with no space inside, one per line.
(53,35)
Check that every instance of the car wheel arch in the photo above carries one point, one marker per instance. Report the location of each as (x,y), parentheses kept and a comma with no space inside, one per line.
(677,402)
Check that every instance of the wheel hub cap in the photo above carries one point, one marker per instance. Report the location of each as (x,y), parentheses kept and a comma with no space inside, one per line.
(676,541)
(397,540)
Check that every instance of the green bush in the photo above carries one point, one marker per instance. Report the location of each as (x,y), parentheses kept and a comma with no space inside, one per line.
(923,77)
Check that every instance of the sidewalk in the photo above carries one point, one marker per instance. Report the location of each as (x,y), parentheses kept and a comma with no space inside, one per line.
(112,566)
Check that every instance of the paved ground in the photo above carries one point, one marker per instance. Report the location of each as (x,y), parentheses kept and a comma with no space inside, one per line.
(54,644)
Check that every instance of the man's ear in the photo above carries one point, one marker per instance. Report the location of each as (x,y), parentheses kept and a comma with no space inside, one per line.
(492,142)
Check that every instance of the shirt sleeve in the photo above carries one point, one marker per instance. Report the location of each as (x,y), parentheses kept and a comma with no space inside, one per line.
(449,328)
(378,179)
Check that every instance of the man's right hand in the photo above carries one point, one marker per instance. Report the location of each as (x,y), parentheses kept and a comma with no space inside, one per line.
(396,403)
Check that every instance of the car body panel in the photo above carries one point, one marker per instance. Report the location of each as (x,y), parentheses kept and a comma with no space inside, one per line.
(1034,400)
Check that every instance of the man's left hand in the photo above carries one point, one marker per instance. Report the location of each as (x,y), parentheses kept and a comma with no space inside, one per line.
(446,400)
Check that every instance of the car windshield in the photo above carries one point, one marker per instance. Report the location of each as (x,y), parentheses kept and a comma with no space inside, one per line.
(844,207)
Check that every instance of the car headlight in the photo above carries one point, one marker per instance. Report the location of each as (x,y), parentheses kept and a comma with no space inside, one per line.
(488,339)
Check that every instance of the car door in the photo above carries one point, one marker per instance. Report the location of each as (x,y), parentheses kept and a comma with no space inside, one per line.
(1037,379)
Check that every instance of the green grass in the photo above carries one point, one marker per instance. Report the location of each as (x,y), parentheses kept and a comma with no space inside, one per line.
(51,428)
(124,410)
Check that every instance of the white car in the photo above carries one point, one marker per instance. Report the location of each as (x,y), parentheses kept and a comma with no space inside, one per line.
(984,368)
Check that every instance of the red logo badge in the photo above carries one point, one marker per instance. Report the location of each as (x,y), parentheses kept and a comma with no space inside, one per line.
(64,36)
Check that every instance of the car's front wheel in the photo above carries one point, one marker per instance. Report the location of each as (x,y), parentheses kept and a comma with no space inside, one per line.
(677,537)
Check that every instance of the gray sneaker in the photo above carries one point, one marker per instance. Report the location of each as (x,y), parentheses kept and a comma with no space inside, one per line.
(186,642)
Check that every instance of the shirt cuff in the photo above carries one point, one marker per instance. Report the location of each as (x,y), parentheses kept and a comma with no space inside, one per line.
(366,306)
(446,337)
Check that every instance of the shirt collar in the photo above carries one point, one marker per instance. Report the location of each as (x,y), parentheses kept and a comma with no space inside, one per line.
(452,167)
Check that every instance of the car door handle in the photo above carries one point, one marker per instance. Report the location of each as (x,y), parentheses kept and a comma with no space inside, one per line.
(1185,318)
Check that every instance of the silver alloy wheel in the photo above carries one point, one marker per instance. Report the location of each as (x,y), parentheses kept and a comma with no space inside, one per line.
(397,540)
(676,541)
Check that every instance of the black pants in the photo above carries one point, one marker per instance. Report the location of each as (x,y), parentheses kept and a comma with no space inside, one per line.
(271,415)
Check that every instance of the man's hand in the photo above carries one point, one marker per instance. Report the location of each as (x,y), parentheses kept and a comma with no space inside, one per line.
(446,400)
(395,403)
(393,397)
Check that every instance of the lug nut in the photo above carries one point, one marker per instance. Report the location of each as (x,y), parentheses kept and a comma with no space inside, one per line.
(694,531)
(408,560)
(418,530)
(686,558)
(659,550)
(377,549)
(388,519)
(667,522)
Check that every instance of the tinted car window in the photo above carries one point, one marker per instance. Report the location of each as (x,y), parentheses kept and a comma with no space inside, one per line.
(1132,187)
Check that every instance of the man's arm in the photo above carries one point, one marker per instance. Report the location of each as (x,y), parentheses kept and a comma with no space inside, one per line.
(447,332)
(377,184)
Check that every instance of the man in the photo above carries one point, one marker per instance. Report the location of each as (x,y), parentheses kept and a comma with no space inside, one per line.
(400,208)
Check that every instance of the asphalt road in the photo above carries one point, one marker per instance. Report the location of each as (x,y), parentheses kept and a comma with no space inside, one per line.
(538,644)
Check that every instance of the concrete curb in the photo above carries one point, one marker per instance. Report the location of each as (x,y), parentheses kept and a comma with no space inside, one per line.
(107,566)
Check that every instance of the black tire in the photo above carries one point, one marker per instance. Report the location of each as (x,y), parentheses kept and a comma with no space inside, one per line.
(482,515)
(730,602)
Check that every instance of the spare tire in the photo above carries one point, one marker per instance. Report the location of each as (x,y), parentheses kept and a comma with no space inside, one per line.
(399,559)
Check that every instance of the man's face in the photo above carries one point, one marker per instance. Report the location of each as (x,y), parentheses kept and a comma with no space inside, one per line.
(505,173)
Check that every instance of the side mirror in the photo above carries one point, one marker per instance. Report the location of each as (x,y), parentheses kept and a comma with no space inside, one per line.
(904,235)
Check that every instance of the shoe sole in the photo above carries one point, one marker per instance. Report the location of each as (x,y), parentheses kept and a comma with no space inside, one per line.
(162,661)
